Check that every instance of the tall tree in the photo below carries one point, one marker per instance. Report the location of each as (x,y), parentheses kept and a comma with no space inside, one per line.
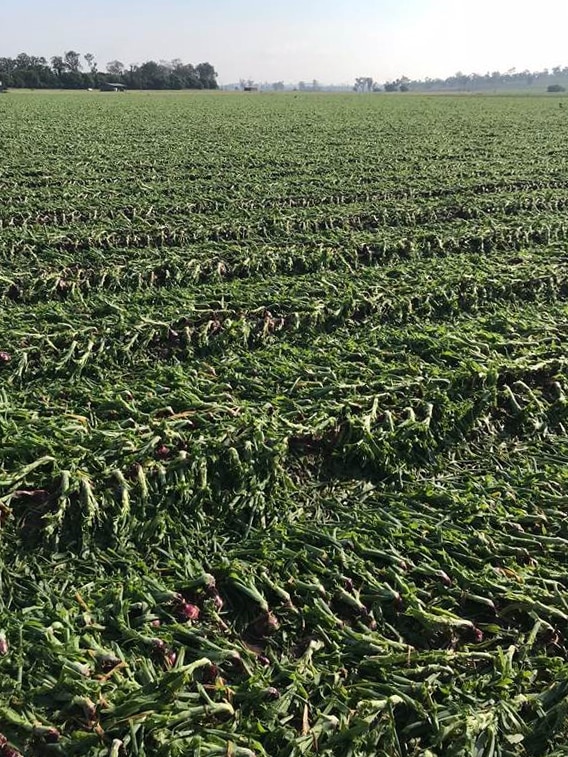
(91,62)
(58,64)
(72,61)
(115,67)
(363,84)
(207,75)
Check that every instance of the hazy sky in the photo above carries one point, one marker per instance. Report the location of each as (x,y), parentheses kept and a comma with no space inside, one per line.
(329,40)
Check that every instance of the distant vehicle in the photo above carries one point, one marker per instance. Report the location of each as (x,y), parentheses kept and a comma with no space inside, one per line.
(113,87)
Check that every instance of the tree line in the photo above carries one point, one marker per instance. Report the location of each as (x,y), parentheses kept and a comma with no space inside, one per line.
(75,71)
(550,79)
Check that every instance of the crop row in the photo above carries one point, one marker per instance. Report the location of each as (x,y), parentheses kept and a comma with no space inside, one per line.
(208,441)
(303,306)
(358,211)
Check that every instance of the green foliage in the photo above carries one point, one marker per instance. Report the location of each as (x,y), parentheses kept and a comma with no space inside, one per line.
(283,426)
(494,81)
(64,72)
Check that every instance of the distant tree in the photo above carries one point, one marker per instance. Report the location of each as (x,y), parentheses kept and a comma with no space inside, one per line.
(72,61)
(529,77)
(7,65)
(555,88)
(23,60)
(398,85)
(191,79)
(278,86)
(65,72)
(26,71)
(73,80)
(91,62)
(363,84)
(115,67)
(30,78)
(150,75)
(207,75)
(58,65)
(461,80)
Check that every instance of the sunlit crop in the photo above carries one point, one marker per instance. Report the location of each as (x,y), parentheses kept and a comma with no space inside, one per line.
(283,415)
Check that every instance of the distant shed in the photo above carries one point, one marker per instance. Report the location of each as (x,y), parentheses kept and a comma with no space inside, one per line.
(112,87)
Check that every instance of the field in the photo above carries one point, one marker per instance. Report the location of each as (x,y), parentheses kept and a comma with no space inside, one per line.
(283,451)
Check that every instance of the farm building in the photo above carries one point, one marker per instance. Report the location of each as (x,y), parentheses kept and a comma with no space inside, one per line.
(112,87)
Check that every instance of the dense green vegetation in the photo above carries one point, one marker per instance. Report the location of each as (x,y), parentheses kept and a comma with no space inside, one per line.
(494,81)
(68,71)
(283,421)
